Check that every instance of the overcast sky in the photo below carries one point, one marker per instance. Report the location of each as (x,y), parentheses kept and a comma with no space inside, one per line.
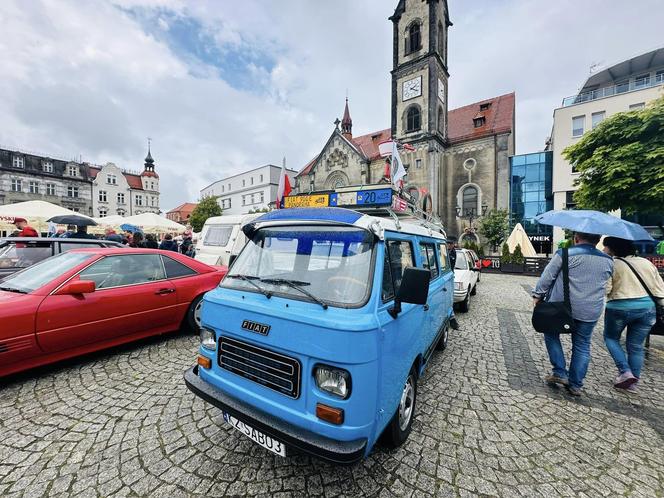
(223,86)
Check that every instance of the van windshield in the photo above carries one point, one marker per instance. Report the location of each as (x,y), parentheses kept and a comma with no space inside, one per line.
(332,264)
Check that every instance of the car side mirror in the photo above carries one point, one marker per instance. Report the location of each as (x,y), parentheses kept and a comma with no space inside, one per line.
(414,289)
(77,287)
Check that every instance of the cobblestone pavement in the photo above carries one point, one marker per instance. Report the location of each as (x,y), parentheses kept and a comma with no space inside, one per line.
(122,423)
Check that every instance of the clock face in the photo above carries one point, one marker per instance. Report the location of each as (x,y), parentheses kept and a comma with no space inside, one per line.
(412,88)
(441,91)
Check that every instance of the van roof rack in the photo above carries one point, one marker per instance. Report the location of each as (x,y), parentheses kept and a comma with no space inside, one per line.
(380,200)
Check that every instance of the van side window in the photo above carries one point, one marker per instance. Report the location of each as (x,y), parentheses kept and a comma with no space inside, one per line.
(218,235)
(429,261)
(442,251)
(398,256)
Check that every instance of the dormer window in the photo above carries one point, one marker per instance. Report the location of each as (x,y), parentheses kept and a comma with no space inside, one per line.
(479,122)
(17,162)
(47,166)
(485,107)
(72,170)
(413,38)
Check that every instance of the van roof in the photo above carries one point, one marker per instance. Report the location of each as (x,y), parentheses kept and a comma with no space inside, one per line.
(231,219)
(347,217)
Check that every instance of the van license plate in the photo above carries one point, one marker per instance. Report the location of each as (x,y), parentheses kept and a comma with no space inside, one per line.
(257,436)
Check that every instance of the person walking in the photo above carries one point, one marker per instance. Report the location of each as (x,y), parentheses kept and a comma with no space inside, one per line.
(589,271)
(25,229)
(630,306)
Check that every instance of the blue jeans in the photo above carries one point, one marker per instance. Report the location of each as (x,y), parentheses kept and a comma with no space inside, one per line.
(638,323)
(578,365)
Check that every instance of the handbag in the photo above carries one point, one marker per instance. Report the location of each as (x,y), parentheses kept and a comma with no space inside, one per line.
(555,317)
(658,328)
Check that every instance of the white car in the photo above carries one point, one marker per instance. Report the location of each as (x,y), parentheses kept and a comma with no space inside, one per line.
(466,276)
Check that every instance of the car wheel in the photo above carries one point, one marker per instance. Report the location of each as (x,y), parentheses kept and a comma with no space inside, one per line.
(442,342)
(401,424)
(194,315)
(474,291)
(465,304)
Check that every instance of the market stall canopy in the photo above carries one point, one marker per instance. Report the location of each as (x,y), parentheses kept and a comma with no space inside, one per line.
(151,222)
(115,220)
(36,212)
(520,237)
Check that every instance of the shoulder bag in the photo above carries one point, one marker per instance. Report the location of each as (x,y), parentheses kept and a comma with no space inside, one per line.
(658,328)
(555,317)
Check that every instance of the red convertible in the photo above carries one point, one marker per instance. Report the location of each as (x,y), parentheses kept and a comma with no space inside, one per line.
(89,299)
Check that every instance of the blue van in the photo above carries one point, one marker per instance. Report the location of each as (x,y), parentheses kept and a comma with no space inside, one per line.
(317,336)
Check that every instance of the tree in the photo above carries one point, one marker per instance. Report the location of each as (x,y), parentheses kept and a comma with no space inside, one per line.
(505,256)
(205,209)
(494,226)
(517,257)
(621,162)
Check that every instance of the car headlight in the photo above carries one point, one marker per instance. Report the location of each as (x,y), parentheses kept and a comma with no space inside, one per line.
(458,286)
(208,339)
(333,380)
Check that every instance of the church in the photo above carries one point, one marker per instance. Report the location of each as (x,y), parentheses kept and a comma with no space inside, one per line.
(459,163)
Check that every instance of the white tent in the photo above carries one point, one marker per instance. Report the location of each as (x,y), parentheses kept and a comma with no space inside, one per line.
(151,222)
(115,220)
(36,212)
(520,237)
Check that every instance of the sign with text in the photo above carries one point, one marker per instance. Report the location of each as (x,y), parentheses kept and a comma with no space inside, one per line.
(321,200)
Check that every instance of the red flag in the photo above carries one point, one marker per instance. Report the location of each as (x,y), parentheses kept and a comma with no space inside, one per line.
(284,188)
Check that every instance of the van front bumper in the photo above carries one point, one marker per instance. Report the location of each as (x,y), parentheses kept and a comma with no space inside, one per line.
(343,452)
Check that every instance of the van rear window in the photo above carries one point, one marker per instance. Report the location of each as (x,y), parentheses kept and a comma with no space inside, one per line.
(218,235)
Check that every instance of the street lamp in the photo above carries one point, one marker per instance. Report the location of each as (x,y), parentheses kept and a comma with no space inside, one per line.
(471,213)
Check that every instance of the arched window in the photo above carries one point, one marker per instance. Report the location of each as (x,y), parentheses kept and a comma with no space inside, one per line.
(441,121)
(441,40)
(469,200)
(413,38)
(413,119)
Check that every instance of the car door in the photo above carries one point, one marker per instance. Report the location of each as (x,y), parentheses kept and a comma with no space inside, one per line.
(132,296)
(440,292)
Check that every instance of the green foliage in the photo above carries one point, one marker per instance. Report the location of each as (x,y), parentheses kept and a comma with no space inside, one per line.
(495,226)
(206,208)
(256,210)
(621,162)
(565,244)
(505,256)
(474,246)
(517,257)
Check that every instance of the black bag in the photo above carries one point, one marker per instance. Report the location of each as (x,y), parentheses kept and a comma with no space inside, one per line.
(555,317)
(658,328)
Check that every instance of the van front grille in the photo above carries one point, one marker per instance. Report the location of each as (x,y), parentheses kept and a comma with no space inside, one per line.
(273,370)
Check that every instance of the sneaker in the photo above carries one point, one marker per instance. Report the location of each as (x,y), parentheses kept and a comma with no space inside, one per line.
(624,380)
(554,380)
(574,391)
(634,388)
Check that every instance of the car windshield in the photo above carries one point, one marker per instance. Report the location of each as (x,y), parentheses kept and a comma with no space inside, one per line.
(40,274)
(328,265)
(461,263)
(22,254)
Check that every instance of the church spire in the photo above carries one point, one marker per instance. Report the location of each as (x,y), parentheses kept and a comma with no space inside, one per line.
(148,167)
(347,123)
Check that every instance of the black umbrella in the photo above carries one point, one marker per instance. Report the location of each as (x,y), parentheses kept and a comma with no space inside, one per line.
(73,219)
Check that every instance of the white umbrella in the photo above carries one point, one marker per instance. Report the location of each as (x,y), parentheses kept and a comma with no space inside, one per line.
(520,237)
(36,212)
(151,222)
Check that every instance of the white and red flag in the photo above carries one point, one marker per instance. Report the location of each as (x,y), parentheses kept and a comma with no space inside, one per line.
(284,188)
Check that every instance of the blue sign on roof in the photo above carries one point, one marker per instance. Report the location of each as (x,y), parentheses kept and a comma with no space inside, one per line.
(332,214)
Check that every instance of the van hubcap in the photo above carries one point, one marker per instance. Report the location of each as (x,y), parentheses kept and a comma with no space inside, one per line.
(406,404)
(197,313)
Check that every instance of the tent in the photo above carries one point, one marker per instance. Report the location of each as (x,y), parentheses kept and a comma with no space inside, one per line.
(36,212)
(151,222)
(520,237)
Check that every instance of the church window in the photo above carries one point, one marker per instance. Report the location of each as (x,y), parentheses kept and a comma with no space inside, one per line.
(441,40)
(441,121)
(413,38)
(413,119)
(479,122)
(469,200)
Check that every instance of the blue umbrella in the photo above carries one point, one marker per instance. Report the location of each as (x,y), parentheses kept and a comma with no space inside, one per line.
(595,222)
(128,227)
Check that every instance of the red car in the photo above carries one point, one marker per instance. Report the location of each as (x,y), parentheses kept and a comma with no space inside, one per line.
(89,299)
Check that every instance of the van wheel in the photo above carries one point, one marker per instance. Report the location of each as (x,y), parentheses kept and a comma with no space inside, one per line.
(442,342)
(474,291)
(193,317)
(465,304)
(401,424)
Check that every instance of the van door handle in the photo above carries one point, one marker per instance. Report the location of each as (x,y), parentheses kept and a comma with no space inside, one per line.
(426,307)
(164,291)
(444,289)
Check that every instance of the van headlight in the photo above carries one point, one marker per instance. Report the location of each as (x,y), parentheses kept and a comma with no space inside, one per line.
(333,380)
(208,339)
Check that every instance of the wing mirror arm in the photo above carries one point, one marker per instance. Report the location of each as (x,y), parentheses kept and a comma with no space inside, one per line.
(396,309)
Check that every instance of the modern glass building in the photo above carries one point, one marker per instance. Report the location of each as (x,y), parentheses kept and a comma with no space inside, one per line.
(530,195)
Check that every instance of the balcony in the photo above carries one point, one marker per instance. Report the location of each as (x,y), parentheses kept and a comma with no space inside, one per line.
(600,93)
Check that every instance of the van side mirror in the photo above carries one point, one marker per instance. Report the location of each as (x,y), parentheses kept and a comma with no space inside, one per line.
(77,287)
(414,289)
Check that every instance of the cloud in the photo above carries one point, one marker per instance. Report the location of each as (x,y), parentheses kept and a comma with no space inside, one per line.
(226,86)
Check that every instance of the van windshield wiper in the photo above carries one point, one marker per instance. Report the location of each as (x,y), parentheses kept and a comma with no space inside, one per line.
(296,284)
(13,289)
(250,279)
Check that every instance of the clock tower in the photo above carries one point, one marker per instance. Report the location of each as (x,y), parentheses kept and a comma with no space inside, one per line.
(420,74)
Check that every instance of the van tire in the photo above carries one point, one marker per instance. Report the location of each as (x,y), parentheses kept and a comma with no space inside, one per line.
(398,430)
(442,341)
(464,305)
(191,318)
(474,291)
